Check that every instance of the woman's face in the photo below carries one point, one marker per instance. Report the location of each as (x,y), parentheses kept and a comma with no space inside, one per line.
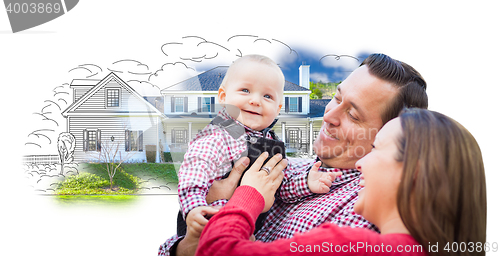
(381,175)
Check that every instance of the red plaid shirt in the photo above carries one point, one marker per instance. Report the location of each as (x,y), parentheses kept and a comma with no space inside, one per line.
(209,157)
(297,209)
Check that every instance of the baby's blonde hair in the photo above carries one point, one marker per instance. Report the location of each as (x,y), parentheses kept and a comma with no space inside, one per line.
(256,58)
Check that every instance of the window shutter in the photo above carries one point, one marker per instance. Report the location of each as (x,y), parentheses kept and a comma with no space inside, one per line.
(287,104)
(172,104)
(212,104)
(172,135)
(127,140)
(139,143)
(85,140)
(300,104)
(98,140)
(186,104)
(199,104)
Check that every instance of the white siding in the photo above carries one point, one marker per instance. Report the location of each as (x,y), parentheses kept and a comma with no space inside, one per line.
(113,126)
(80,91)
(127,103)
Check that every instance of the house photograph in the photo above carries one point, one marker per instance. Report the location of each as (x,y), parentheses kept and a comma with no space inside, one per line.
(109,113)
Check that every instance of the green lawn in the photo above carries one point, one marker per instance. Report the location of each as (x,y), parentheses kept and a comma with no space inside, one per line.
(92,182)
(97,200)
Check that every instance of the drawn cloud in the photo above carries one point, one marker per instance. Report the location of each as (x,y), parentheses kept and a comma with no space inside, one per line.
(193,54)
(85,71)
(170,74)
(340,61)
(48,121)
(197,50)
(128,66)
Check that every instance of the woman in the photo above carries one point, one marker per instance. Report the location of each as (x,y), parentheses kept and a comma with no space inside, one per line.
(424,187)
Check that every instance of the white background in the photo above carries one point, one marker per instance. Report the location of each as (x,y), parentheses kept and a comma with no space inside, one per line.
(453,45)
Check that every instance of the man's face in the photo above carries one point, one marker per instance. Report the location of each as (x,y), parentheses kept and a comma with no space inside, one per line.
(352,119)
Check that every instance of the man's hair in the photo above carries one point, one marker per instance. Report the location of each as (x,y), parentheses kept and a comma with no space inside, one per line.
(442,194)
(410,84)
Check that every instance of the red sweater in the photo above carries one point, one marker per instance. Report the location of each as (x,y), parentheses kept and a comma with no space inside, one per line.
(228,232)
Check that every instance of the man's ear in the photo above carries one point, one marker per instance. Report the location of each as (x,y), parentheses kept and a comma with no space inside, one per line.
(222,95)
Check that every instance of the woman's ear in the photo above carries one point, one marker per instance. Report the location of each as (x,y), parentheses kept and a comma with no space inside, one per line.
(222,95)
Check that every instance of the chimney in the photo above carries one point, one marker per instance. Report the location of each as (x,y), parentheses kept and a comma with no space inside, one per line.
(304,75)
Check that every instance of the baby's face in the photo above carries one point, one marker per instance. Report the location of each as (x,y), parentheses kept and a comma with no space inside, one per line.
(253,93)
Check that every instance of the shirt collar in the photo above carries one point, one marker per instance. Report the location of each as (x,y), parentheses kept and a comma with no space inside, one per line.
(226,116)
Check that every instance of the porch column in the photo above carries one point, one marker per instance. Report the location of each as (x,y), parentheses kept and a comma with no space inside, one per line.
(158,156)
(189,131)
(311,137)
(283,132)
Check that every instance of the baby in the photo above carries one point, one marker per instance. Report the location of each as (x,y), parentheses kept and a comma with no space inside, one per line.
(252,95)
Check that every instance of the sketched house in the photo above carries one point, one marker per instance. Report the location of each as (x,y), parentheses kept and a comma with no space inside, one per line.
(191,104)
(109,112)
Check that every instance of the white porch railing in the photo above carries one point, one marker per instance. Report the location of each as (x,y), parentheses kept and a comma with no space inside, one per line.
(41,159)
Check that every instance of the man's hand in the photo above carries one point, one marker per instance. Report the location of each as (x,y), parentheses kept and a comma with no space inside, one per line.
(224,189)
(320,182)
(196,219)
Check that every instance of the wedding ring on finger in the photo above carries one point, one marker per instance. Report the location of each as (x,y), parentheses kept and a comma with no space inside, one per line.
(265,168)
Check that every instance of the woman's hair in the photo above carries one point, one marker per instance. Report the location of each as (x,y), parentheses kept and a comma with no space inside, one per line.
(442,194)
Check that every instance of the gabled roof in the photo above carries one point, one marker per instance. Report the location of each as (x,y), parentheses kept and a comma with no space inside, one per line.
(207,81)
(210,81)
(289,86)
(101,84)
(84,82)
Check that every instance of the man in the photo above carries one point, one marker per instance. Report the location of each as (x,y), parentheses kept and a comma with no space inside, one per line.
(371,96)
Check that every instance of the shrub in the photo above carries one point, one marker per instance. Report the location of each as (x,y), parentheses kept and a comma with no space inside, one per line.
(84,183)
(171,157)
(168,157)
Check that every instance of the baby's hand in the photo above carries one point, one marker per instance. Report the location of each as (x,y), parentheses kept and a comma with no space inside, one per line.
(320,182)
(196,219)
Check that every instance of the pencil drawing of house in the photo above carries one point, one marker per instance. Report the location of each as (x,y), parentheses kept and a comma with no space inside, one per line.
(111,110)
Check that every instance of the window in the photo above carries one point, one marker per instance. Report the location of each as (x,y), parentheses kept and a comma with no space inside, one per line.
(315,135)
(205,107)
(293,136)
(133,140)
(179,136)
(206,104)
(293,104)
(91,140)
(179,104)
(113,97)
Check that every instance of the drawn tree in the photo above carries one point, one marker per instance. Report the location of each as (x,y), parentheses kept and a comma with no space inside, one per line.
(66,147)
